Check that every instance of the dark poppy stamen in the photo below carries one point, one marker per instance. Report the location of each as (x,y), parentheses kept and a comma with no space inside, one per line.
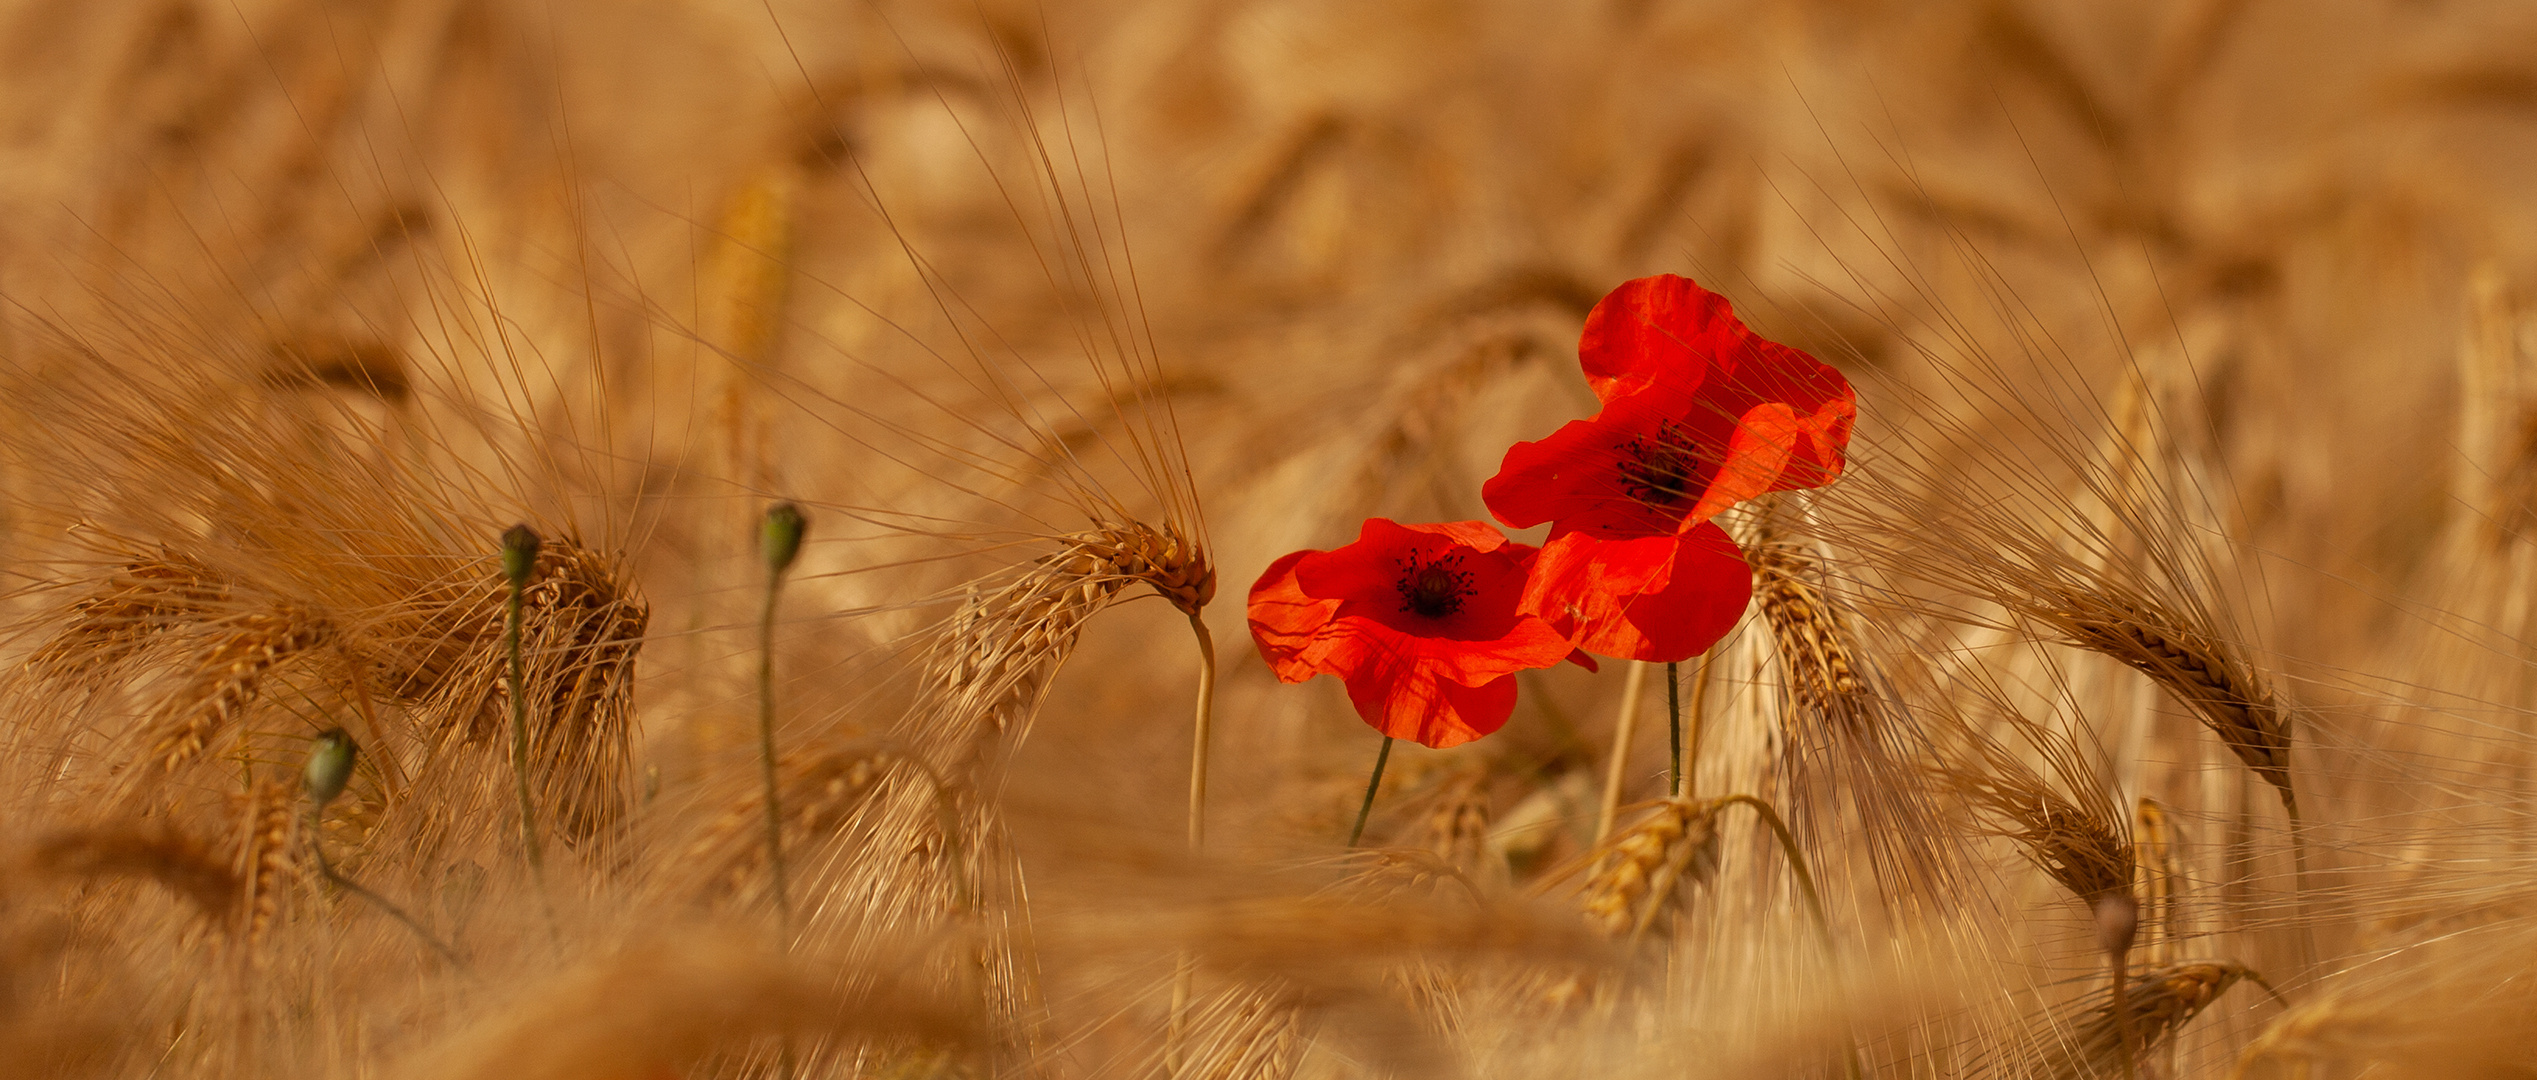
(1659,471)
(1434,589)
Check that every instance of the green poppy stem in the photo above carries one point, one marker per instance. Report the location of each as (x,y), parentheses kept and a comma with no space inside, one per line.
(1385,755)
(1674,728)
(326,869)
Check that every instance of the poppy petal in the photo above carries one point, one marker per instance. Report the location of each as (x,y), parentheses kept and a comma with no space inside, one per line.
(1613,603)
(1432,711)
(1633,469)
(1487,571)
(1284,619)
(1651,329)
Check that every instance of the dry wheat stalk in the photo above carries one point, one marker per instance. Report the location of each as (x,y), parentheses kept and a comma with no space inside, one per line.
(1387,875)
(1850,752)
(821,790)
(926,843)
(988,663)
(2155,849)
(1243,1033)
(2088,855)
(1815,648)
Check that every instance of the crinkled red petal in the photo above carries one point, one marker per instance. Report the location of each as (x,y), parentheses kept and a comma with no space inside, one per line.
(1432,711)
(1614,600)
(1651,328)
(1284,620)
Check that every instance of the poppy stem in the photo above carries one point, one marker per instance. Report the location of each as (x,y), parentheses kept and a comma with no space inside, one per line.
(1380,758)
(1674,727)
(326,869)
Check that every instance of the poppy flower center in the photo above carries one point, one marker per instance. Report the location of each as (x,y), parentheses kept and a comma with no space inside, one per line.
(1435,588)
(1658,471)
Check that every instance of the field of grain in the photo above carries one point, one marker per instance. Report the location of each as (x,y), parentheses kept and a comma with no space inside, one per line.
(2155,696)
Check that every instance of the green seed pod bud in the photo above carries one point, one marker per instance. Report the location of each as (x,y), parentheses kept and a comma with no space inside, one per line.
(781,536)
(330,759)
(519,554)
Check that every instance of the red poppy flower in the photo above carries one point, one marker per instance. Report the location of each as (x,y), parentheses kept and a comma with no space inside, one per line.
(1421,621)
(1699,414)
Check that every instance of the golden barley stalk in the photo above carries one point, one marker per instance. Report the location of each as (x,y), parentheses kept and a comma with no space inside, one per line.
(2155,845)
(1631,882)
(1624,728)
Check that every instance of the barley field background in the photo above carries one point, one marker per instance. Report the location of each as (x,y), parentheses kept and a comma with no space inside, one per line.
(2153,697)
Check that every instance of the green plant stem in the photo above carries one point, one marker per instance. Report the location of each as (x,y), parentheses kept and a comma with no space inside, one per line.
(520,737)
(1674,728)
(325,869)
(1371,784)
(766,751)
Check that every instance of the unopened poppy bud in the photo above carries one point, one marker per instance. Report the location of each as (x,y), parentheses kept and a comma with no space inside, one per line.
(330,758)
(519,554)
(780,537)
